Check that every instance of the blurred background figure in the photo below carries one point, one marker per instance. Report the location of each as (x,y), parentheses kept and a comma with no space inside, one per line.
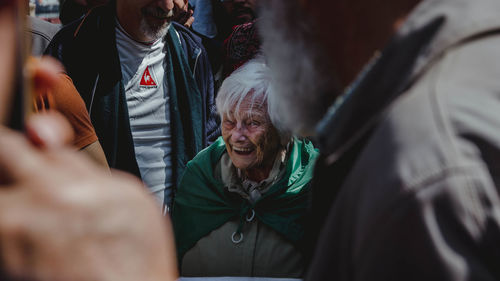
(47,10)
(241,46)
(215,21)
(41,32)
(240,11)
(204,23)
(216,18)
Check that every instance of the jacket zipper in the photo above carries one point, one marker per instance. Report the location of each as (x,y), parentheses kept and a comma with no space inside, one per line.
(196,63)
(93,94)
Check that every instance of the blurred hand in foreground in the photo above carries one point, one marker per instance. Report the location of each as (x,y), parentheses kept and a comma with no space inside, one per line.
(62,218)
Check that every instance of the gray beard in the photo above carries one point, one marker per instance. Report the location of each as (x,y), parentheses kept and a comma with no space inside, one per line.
(303,82)
(153,32)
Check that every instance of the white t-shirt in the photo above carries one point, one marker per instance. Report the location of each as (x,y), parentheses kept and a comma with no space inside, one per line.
(143,69)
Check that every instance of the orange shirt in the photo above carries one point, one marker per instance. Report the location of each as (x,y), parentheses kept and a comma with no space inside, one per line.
(66,99)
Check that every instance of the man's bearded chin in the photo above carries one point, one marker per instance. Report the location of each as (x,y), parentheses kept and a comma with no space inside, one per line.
(155,30)
(303,81)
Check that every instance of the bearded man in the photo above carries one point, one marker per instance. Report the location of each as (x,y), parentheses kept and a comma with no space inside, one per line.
(407,187)
(147,85)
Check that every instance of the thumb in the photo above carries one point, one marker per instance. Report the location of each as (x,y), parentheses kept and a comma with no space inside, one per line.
(49,130)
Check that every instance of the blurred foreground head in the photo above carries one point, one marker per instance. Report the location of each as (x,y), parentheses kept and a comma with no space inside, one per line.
(317,48)
(303,83)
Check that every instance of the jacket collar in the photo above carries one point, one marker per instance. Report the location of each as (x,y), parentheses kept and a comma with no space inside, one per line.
(96,37)
(433,27)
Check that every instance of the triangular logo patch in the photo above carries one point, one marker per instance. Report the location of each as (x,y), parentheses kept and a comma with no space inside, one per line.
(147,79)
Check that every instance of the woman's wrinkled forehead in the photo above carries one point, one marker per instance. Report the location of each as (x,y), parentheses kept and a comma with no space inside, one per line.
(249,107)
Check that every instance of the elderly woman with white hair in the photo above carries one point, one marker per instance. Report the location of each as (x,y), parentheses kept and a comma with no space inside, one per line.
(240,207)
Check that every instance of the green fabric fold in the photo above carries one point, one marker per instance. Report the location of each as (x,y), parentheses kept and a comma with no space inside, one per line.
(202,203)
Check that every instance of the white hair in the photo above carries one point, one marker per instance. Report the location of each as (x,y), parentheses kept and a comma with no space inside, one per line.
(252,80)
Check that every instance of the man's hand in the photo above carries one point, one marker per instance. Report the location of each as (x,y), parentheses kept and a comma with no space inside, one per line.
(182,13)
(62,218)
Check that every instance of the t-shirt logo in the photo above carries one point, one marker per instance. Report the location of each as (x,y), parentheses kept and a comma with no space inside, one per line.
(147,80)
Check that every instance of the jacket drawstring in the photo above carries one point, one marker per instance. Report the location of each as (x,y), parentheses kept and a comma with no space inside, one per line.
(93,94)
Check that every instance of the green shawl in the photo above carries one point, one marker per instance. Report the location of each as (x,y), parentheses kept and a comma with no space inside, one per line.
(202,203)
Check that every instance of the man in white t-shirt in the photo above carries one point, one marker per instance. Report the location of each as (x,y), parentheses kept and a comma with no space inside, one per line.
(147,84)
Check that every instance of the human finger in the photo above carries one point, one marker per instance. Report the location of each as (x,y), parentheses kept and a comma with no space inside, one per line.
(189,22)
(49,130)
(182,5)
(184,18)
(10,226)
(44,72)
(18,158)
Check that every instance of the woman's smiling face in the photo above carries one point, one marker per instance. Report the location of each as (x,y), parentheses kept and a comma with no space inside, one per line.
(251,140)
